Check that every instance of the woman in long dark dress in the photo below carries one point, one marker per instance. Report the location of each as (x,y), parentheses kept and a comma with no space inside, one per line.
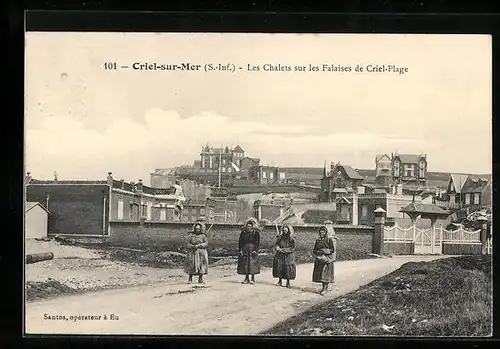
(248,258)
(324,252)
(284,266)
(196,262)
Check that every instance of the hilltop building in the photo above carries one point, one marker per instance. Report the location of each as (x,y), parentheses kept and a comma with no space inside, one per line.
(401,168)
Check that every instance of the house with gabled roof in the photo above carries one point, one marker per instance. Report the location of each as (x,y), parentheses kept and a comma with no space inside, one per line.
(383,169)
(409,168)
(36,220)
(339,177)
(469,191)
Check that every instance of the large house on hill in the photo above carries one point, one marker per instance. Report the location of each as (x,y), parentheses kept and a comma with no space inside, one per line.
(409,168)
(401,168)
(211,158)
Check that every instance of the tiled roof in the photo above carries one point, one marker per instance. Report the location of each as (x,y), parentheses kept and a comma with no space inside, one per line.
(238,149)
(380,156)
(351,173)
(164,171)
(418,207)
(474,185)
(458,181)
(30,205)
(409,158)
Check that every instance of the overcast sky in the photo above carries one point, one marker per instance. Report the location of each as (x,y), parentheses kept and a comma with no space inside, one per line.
(84,121)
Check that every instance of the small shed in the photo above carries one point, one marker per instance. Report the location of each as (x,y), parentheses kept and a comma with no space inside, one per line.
(36,220)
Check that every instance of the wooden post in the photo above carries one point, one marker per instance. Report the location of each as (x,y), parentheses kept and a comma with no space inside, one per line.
(433,240)
(378,234)
(484,230)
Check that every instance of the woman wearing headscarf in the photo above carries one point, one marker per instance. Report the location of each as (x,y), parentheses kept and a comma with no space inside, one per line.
(324,252)
(196,262)
(284,266)
(248,258)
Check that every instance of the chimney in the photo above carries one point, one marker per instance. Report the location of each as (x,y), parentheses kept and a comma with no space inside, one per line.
(110,178)
(28,177)
(139,186)
(122,181)
(132,184)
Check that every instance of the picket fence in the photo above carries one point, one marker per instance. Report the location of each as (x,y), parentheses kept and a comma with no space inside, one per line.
(430,240)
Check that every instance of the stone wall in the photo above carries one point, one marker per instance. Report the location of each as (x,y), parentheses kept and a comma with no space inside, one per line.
(170,235)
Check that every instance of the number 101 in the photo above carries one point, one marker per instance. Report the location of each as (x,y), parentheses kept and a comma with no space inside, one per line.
(110,65)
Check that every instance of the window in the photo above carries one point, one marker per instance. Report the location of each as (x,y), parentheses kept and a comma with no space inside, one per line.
(476,198)
(467,199)
(223,169)
(229,169)
(148,213)
(409,171)
(120,209)
(271,175)
(263,174)
(163,214)
(282,175)
(143,210)
(364,211)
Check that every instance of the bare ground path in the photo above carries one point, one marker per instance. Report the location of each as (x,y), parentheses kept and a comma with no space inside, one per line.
(222,307)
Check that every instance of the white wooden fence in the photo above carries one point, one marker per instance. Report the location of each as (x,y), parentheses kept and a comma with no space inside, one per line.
(430,240)
(408,234)
(399,234)
(489,246)
(461,236)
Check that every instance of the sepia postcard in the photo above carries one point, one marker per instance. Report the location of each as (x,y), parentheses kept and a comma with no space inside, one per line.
(258,184)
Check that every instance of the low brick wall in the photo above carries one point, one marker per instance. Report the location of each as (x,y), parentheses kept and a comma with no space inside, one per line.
(170,235)
(459,249)
(398,248)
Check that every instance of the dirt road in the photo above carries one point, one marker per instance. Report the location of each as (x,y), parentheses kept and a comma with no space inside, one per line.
(222,307)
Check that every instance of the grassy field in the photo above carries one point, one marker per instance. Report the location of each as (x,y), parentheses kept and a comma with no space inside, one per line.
(445,297)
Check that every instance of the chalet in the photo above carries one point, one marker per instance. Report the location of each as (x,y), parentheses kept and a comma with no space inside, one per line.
(476,192)
(466,191)
(454,188)
(409,168)
(340,176)
(383,169)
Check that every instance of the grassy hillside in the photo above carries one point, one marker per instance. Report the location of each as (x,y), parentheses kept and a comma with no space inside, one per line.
(446,297)
(314,175)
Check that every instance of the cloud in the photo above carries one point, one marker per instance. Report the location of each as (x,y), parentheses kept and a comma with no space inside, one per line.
(133,149)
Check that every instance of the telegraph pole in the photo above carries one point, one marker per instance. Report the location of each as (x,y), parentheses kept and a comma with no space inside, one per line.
(220,165)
